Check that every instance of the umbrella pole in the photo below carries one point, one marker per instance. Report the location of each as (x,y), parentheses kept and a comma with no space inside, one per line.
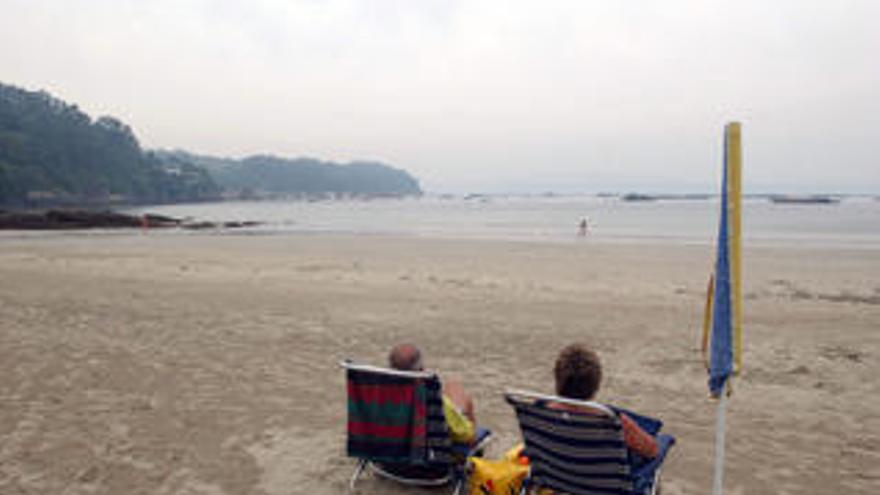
(718,486)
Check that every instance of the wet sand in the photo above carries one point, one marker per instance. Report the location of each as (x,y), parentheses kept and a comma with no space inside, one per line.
(206,364)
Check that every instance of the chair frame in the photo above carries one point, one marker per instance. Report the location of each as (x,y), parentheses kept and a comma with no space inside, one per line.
(595,406)
(456,475)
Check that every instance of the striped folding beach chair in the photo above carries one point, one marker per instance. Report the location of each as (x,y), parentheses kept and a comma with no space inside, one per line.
(581,453)
(397,429)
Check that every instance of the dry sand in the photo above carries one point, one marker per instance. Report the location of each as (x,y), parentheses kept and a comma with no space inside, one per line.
(205,364)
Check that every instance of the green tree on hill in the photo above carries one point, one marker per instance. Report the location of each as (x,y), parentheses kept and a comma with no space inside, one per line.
(51,150)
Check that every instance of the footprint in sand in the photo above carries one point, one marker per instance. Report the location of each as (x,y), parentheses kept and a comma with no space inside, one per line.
(841,353)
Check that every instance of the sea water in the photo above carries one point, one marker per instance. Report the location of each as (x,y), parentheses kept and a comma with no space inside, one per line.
(853,222)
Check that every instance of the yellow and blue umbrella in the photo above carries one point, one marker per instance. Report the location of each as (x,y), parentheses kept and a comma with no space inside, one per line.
(722,325)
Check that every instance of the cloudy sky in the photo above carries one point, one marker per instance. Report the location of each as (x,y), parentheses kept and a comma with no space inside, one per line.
(478,95)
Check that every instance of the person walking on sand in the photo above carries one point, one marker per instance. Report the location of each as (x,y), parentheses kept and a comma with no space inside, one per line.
(583,227)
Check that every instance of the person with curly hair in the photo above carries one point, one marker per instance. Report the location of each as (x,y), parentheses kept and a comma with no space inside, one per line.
(578,374)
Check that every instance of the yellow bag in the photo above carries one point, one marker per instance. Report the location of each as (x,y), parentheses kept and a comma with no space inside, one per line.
(501,477)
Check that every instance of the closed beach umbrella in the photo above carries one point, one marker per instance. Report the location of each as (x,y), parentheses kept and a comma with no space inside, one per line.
(722,327)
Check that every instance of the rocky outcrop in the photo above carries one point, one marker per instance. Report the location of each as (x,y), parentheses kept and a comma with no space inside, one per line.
(86,219)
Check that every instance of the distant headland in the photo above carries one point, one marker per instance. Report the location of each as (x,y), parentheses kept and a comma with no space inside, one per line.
(53,154)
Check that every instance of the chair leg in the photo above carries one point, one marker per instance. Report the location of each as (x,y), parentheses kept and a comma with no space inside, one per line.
(362,463)
(476,450)
(458,484)
(655,487)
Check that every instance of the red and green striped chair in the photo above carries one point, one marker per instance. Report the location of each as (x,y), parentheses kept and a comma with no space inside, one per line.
(396,427)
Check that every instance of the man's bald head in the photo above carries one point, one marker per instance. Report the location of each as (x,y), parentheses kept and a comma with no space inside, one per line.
(405,357)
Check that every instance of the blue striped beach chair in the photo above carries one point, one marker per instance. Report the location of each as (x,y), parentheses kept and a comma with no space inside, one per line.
(397,429)
(582,453)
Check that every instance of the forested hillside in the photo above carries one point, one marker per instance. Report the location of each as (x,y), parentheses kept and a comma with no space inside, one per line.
(51,152)
(271,175)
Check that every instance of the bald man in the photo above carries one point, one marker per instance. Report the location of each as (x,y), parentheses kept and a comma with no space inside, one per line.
(458,406)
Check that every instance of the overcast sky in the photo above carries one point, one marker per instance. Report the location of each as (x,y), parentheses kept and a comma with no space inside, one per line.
(478,95)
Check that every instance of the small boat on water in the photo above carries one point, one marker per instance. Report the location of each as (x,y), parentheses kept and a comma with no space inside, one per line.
(805,200)
(638,197)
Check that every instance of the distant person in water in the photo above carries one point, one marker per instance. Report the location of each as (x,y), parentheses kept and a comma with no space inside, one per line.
(578,374)
(458,405)
(583,227)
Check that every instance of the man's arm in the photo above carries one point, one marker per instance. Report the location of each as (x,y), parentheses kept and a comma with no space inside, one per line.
(453,389)
(461,429)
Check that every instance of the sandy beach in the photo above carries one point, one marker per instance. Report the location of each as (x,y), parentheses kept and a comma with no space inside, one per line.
(206,364)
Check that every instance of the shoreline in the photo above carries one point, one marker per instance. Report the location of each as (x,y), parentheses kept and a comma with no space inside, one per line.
(806,243)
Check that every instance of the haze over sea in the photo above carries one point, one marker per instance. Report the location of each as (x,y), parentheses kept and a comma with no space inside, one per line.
(854,222)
